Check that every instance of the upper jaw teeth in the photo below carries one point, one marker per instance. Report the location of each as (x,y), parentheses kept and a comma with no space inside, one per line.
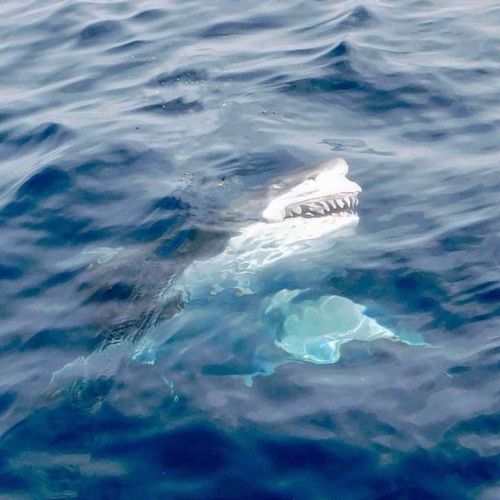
(341,206)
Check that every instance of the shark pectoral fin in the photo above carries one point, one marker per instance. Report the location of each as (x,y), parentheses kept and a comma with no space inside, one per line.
(314,331)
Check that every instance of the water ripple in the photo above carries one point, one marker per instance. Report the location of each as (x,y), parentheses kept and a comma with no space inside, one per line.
(136,138)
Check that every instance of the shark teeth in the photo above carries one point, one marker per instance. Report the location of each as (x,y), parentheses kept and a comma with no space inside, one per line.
(338,206)
(318,208)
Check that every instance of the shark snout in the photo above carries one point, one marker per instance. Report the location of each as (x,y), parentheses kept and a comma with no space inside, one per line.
(324,191)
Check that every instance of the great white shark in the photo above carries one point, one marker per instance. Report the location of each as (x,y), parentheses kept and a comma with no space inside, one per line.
(305,215)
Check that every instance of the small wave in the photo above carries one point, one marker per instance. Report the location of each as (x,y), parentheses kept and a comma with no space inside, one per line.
(360,17)
(342,49)
(48,181)
(84,84)
(10,272)
(149,15)
(50,135)
(99,32)
(353,19)
(232,28)
(181,76)
(173,107)
(131,46)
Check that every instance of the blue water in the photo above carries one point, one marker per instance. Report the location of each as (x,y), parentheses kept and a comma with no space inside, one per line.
(133,138)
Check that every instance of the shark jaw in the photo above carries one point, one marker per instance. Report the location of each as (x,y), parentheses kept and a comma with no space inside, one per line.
(324,193)
(307,212)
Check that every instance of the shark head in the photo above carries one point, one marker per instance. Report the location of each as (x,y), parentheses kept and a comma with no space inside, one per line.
(322,196)
(323,192)
(306,214)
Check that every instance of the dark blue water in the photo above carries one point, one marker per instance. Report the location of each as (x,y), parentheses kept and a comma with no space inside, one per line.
(132,136)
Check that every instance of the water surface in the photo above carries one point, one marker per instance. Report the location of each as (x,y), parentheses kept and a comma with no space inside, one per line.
(133,138)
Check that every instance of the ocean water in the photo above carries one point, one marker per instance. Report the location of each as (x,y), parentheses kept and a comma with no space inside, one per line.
(136,137)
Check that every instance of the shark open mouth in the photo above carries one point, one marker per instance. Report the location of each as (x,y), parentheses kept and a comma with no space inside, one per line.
(343,206)
(325,193)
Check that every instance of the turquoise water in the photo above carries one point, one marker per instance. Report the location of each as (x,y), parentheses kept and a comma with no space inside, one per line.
(137,137)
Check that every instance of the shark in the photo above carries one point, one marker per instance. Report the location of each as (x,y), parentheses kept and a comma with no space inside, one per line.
(304,216)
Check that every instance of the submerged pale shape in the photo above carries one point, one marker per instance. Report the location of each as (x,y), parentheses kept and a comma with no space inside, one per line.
(315,330)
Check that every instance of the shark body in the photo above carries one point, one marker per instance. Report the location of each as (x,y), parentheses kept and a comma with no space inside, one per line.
(306,215)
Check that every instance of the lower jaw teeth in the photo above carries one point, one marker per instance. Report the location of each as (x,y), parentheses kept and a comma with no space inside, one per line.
(320,215)
(324,208)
